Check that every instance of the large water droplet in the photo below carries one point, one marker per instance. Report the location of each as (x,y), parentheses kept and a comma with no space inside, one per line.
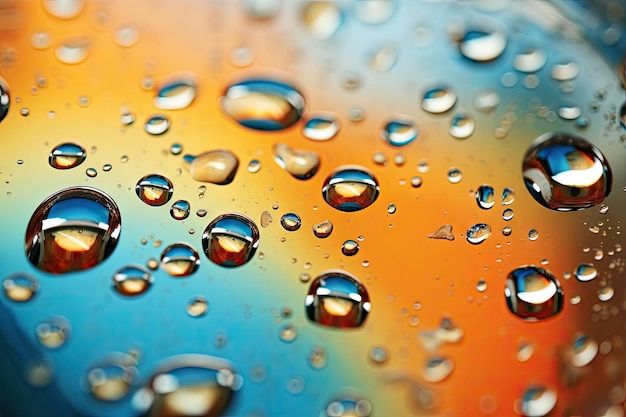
(64,9)
(180,260)
(478,233)
(180,210)
(321,127)
(20,287)
(399,132)
(111,379)
(538,401)
(532,293)
(462,126)
(263,104)
(176,94)
(217,167)
(437,369)
(564,172)
(323,230)
(438,100)
(531,60)
(300,164)
(585,272)
(154,190)
(582,351)
(482,45)
(156,125)
(54,332)
(230,240)
(72,51)
(5,99)
(337,299)
(321,18)
(485,197)
(67,155)
(73,229)
(132,280)
(188,385)
(350,188)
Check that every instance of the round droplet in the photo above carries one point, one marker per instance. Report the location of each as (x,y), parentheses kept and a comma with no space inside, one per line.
(72,230)
(416,181)
(337,299)
(508,196)
(290,222)
(378,355)
(40,40)
(126,36)
(288,333)
(300,164)
(230,240)
(565,71)
(477,233)
(91,172)
(197,307)
(538,401)
(482,45)
(438,100)
(20,288)
(437,369)
(399,132)
(350,188)
(533,234)
(188,385)
(462,126)
(72,51)
(564,172)
(350,247)
(321,18)
(317,357)
(132,280)
(180,260)
(454,175)
(507,214)
(533,294)
(481,285)
(529,61)
(582,351)
(391,208)
(67,155)
(506,230)
(176,148)
(180,210)
(111,380)
(64,9)
(485,197)
(323,230)
(5,99)
(217,167)
(54,332)
(156,125)
(374,12)
(176,94)
(154,189)
(321,127)
(585,272)
(262,9)
(263,104)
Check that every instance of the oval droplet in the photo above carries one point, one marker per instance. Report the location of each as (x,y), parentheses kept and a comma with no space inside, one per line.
(180,260)
(374,12)
(20,288)
(72,230)
(462,126)
(350,247)
(485,197)
(454,175)
(569,111)
(54,332)
(254,166)
(399,132)
(350,188)
(64,9)
(533,234)
(230,240)
(538,401)
(482,45)
(263,104)
(132,280)
(508,196)
(300,164)
(347,405)
(321,127)
(533,293)
(154,190)
(565,71)
(384,59)
(126,36)
(156,125)
(197,307)
(438,100)
(323,230)
(290,222)
(72,51)
(5,99)
(337,299)
(113,377)
(508,214)
(529,61)
(180,210)
(217,167)
(585,272)
(321,18)
(437,369)
(176,94)
(477,233)
(582,351)
(67,155)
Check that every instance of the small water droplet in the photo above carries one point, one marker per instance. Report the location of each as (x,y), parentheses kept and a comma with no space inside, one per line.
(525,351)
(532,293)
(506,230)
(323,229)
(531,60)
(485,197)
(569,111)
(180,260)
(20,288)
(350,247)
(416,182)
(132,280)
(603,209)
(127,118)
(582,350)
(462,126)
(266,218)
(230,240)
(66,155)
(107,167)
(317,357)
(180,210)
(91,172)
(288,333)
(391,208)
(300,164)
(438,100)
(356,114)
(537,401)
(64,9)
(486,101)
(72,51)
(380,158)
(321,127)
(437,369)
(481,285)
(508,196)
(24,111)
(126,36)
(112,378)
(176,148)
(175,94)
(374,12)
(197,306)
(507,214)
(154,190)
(290,222)
(444,232)
(155,125)
(350,188)
(216,167)
(585,272)
(384,59)
(241,57)
(54,332)
(378,355)
(399,132)
(321,18)
(565,71)
(533,234)
(477,233)
(254,166)
(152,264)
(40,40)
(454,175)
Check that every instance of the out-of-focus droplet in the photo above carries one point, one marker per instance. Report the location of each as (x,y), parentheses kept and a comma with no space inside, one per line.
(437,369)
(241,57)
(230,240)
(337,299)
(154,190)
(20,288)
(347,406)
(321,18)
(64,9)
(482,45)
(485,197)
(444,232)
(72,51)
(216,167)
(384,59)
(300,164)
(508,196)
(67,155)
(111,379)
(454,175)
(582,350)
(262,9)
(525,351)
(374,12)
(399,132)
(350,188)
(564,172)
(537,401)
(40,40)
(323,229)
(126,36)
(462,126)
(605,293)
(198,306)
(569,111)
(176,94)
(416,181)
(290,222)
(320,127)
(438,100)
(54,332)
(5,99)
(565,71)
(132,280)
(288,333)
(478,233)
(127,118)
(350,247)
(585,272)
(529,61)
(180,210)
(72,230)
(486,101)
(155,125)
(188,385)
(378,355)
(533,294)
(622,115)
(380,158)
(317,357)
(180,260)
(263,104)
(481,285)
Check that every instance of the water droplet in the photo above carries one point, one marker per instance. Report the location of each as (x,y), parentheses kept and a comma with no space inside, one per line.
(72,51)
(24,111)
(64,9)
(356,114)
(73,229)
(180,210)
(188,385)
(525,351)
(606,293)
(454,175)
(585,272)
(532,293)
(180,260)
(350,188)
(241,57)
(582,351)
(622,115)
(197,306)
(481,285)
(5,99)
(40,40)
(462,126)
(384,59)
(380,158)
(176,148)
(350,247)
(477,233)
(437,369)
(531,60)
(67,155)
(321,127)
(322,19)
(508,214)
(506,230)
(288,333)
(323,230)
(378,355)
(290,222)
(127,118)
(154,190)
(416,182)
(112,378)
(508,196)
(399,132)
(217,167)
(438,100)
(126,36)
(347,406)
(374,12)
(132,280)
(533,234)
(486,100)
(485,197)
(20,288)
(537,401)
(300,164)
(262,104)
(337,299)
(565,172)
(391,208)
(565,71)
(230,240)
(569,111)
(54,332)
(262,9)
(317,357)
(482,45)
(266,218)
(444,232)
(155,125)
(176,94)
(91,172)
